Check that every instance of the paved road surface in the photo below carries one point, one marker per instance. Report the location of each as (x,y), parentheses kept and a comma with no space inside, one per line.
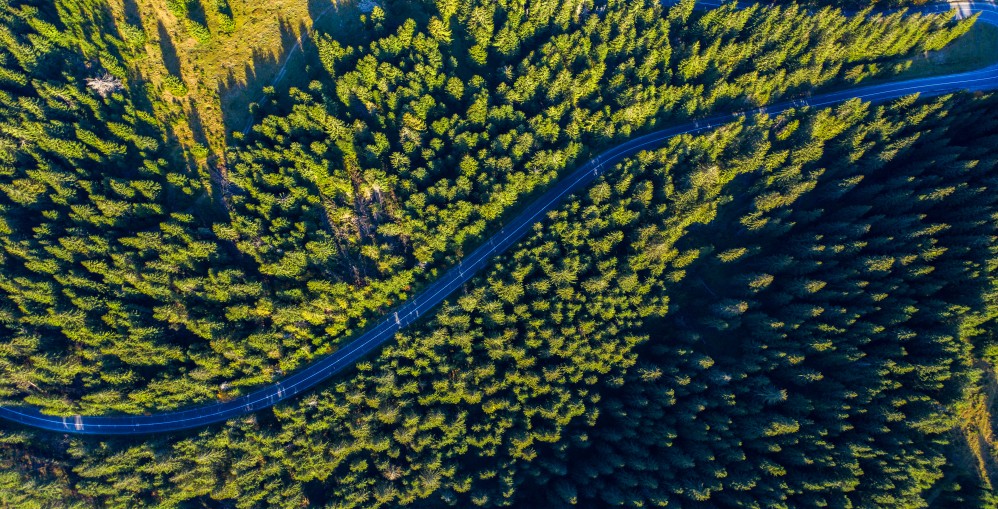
(510,233)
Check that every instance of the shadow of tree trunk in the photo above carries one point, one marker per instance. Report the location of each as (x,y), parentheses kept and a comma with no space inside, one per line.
(169,51)
(132,14)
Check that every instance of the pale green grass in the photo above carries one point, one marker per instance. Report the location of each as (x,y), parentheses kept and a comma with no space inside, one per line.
(973,50)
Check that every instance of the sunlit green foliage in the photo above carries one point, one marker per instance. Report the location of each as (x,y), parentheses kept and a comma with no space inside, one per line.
(776,314)
(128,286)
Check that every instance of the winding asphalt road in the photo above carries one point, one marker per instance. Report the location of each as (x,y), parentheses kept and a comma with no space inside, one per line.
(510,233)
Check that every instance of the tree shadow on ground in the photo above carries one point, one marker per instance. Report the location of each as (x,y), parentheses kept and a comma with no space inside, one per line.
(241,95)
(214,171)
(133,16)
(318,8)
(170,59)
(341,19)
(294,65)
(197,14)
(329,15)
(196,124)
(100,26)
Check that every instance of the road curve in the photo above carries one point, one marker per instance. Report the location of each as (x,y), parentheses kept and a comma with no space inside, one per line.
(510,233)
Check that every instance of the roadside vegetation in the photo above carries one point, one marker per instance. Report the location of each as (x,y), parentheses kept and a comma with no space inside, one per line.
(971,51)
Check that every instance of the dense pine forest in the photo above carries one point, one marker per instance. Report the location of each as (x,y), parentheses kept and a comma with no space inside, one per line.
(792,310)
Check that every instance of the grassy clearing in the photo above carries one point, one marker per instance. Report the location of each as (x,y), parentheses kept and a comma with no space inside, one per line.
(974,453)
(975,49)
(979,419)
(207,79)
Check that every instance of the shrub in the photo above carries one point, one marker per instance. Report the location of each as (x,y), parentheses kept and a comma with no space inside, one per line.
(175,85)
(226,24)
(198,31)
(179,8)
(133,35)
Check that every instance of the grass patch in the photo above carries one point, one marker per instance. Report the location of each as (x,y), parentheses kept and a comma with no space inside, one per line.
(973,50)
(979,423)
